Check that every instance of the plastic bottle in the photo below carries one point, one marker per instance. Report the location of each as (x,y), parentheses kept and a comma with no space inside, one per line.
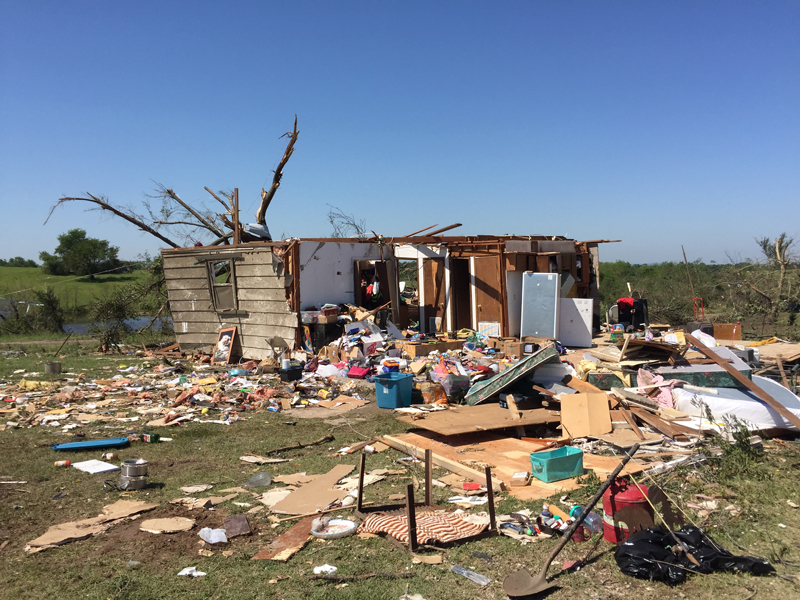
(593,522)
(546,514)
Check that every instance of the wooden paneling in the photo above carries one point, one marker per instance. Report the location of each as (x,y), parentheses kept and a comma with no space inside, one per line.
(261,295)
(433,290)
(195,272)
(248,294)
(186,284)
(487,289)
(182,295)
(286,319)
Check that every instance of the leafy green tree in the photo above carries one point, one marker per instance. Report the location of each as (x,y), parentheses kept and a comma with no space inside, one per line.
(17,261)
(77,254)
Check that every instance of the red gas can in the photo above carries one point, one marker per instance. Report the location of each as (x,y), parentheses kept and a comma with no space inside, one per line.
(619,495)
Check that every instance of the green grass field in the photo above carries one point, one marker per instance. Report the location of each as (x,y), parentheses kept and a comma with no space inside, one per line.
(19,283)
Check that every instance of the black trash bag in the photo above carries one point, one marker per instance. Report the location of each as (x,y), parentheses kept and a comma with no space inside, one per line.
(648,555)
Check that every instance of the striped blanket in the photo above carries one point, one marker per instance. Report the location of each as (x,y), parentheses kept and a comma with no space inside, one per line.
(431,527)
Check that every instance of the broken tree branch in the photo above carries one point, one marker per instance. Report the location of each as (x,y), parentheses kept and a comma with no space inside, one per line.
(322,440)
(266,196)
(189,223)
(193,212)
(106,206)
(227,208)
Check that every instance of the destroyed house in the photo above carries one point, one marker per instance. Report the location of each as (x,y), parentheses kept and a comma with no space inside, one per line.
(263,288)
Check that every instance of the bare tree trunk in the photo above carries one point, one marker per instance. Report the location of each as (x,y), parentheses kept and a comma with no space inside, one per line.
(266,196)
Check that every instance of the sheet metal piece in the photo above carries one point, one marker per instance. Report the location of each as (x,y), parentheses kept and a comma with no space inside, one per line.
(484,390)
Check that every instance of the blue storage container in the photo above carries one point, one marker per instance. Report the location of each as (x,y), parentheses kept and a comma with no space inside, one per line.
(558,464)
(393,390)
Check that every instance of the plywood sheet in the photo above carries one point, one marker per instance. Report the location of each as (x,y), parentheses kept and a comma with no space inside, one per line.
(481,417)
(315,495)
(288,543)
(506,456)
(585,414)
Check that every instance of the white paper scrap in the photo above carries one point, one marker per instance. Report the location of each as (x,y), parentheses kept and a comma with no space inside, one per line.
(95,466)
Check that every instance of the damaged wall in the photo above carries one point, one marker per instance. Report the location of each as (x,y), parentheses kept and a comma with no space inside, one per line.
(260,290)
(326,270)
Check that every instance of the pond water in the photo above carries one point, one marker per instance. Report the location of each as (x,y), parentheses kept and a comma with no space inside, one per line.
(138,322)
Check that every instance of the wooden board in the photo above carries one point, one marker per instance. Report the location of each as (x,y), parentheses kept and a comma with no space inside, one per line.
(288,543)
(585,414)
(506,456)
(481,417)
(315,495)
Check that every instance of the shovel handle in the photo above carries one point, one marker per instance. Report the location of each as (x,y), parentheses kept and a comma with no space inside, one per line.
(591,504)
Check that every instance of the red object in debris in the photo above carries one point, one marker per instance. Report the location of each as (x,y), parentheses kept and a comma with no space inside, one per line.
(621,494)
(471,485)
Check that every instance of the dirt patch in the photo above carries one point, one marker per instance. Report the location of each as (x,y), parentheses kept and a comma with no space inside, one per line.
(127,542)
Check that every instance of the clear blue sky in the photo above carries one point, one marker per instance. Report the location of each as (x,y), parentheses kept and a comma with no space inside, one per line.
(660,123)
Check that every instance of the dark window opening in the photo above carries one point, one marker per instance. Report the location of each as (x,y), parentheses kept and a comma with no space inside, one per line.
(223,285)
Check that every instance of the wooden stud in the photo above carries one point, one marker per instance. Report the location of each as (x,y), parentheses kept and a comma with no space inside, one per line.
(783,374)
(236,233)
(512,407)
(360,497)
(428,477)
(624,348)
(629,418)
(412,518)
(490,497)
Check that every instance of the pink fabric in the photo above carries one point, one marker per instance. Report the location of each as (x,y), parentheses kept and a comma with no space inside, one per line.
(664,397)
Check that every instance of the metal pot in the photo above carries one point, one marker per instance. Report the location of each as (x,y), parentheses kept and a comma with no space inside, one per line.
(132,483)
(52,367)
(135,467)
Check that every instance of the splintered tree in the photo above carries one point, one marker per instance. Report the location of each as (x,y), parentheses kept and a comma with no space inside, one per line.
(177,223)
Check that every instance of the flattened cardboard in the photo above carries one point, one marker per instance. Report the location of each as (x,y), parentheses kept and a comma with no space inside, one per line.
(76,530)
(296,479)
(585,414)
(343,403)
(170,525)
(316,495)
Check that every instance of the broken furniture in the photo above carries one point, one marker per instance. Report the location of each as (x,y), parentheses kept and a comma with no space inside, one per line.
(404,517)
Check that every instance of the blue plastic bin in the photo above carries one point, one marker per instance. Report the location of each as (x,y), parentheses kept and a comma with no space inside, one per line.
(558,464)
(393,390)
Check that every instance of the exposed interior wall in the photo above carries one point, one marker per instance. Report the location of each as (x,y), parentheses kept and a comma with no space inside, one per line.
(327,273)
(263,313)
(420,253)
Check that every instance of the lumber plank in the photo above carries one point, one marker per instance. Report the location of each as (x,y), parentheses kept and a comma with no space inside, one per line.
(629,418)
(579,385)
(774,404)
(441,461)
(481,417)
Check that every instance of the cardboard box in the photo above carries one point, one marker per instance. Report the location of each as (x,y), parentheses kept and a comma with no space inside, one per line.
(327,318)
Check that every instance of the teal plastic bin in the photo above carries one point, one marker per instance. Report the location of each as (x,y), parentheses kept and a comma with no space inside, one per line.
(393,390)
(558,464)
